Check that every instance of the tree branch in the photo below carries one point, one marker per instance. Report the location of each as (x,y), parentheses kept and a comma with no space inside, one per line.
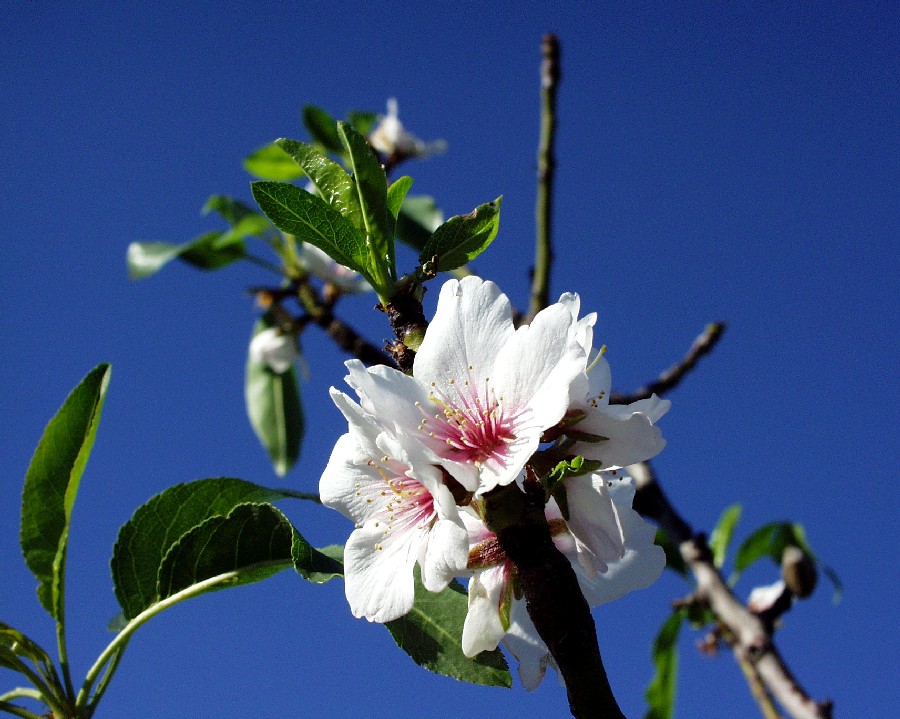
(751,640)
(543,249)
(672,377)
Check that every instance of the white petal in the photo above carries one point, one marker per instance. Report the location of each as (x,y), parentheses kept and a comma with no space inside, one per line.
(389,395)
(527,647)
(538,364)
(445,554)
(483,630)
(345,475)
(631,436)
(274,348)
(472,322)
(594,521)
(379,582)
(642,562)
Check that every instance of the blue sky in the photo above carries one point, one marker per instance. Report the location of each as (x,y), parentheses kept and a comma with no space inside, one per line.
(735,162)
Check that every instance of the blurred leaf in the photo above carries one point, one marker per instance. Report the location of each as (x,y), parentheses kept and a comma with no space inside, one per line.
(51,485)
(660,693)
(674,560)
(255,541)
(723,532)
(770,541)
(396,193)
(146,538)
(271,163)
(330,179)
(230,209)
(208,252)
(371,187)
(431,635)
(462,238)
(322,128)
(362,121)
(311,219)
(419,217)
(274,408)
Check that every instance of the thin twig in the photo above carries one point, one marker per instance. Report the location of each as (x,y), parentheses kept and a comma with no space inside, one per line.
(672,377)
(750,638)
(543,248)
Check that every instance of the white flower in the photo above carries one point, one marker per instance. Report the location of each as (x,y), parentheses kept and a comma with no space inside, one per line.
(274,348)
(638,565)
(403,515)
(482,393)
(320,265)
(763,598)
(626,432)
(390,137)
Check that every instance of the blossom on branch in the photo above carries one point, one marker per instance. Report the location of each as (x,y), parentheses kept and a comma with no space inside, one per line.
(393,140)
(482,393)
(403,515)
(274,348)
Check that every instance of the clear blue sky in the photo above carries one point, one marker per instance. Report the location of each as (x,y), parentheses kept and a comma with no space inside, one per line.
(736,162)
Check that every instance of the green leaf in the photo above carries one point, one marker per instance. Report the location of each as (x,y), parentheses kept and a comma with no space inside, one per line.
(230,209)
(330,179)
(419,217)
(270,162)
(15,645)
(674,560)
(317,565)
(723,532)
(371,187)
(311,219)
(362,121)
(431,635)
(146,538)
(396,193)
(274,408)
(255,541)
(770,541)
(660,693)
(210,251)
(322,127)
(51,485)
(462,238)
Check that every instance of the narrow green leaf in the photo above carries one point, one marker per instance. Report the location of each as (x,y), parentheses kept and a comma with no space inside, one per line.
(51,485)
(274,408)
(254,541)
(210,251)
(770,541)
(660,693)
(396,193)
(330,179)
(371,187)
(270,162)
(431,635)
(322,127)
(17,644)
(462,238)
(723,532)
(146,538)
(419,217)
(311,219)
(674,560)
(230,209)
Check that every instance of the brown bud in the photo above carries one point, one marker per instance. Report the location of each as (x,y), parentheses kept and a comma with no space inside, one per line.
(798,571)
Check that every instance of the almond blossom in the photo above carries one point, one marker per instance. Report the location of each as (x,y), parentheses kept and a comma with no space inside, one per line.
(482,393)
(403,515)
(274,348)
(494,613)
(390,138)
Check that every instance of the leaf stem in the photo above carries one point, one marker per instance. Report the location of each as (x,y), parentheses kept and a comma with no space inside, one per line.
(18,711)
(117,646)
(26,692)
(309,496)
(47,695)
(261,262)
(543,248)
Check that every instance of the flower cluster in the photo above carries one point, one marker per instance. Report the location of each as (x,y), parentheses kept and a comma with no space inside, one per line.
(488,405)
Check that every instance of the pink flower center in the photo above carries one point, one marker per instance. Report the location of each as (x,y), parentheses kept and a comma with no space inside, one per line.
(403,504)
(473,423)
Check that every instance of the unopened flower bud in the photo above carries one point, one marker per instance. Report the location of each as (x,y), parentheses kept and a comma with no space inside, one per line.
(798,571)
(763,598)
(274,348)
